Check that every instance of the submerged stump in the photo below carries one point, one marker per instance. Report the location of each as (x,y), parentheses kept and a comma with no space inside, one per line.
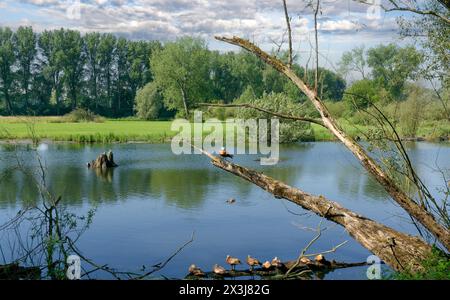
(103,161)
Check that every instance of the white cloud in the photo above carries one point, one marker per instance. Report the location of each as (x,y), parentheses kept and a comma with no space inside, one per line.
(340,25)
(260,20)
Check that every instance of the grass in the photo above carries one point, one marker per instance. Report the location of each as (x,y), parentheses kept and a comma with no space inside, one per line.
(125,130)
(83,132)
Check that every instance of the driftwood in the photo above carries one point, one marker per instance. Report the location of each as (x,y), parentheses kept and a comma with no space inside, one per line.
(302,270)
(406,202)
(398,250)
(103,161)
(16,272)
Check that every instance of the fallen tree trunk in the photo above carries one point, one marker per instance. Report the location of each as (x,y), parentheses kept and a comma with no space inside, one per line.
(16,272)
(302,270)
(407,203)
(398,250)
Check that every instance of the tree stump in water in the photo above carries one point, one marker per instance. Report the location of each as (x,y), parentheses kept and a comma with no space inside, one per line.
(103,161)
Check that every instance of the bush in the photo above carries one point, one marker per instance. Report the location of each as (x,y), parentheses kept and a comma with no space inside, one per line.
(148,102)
(290,130)
(411,112)
(82,115)
(360,95)
(336,109)
(435,267)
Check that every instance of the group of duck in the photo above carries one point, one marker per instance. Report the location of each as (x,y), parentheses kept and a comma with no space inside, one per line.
(233,262)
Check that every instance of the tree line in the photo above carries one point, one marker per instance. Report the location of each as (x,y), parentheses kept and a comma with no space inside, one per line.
(57,71)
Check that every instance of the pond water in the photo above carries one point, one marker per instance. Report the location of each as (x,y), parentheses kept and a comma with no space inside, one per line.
(151,203)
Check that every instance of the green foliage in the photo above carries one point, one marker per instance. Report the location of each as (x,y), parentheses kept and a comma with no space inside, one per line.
(290,130)
(353,61)
(392,66)
(82,115)
(435,267)
(432,34)
(411,113)
(181,69)
(149,102)
(361,94)
(7,59)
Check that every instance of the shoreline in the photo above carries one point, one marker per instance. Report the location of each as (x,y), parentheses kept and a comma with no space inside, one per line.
(28,141)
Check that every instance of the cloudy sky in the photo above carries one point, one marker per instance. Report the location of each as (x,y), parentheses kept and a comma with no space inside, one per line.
(343,24)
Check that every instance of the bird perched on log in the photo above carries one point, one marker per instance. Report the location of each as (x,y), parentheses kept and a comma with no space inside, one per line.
(196,271)
(219,269)
(232,261)
(276,262)
(267,265)
(252,262)
(320,258)
(305,260)
(224,153)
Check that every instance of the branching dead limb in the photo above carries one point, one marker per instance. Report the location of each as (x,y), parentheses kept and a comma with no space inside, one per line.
(283,116)
(397,249)
(289,31)
(441,233)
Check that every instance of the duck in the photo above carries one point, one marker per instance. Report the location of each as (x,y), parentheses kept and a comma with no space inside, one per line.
(252,262)
(267,265)
(219,269)
(223,153)
(231,201)
(232,261)
(305,260)
(196,271)
(320,258)
(276,262)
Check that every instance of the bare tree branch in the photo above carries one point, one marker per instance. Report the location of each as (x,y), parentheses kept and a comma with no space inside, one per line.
(283,116)
(416,211)
(424,12)
(288,24)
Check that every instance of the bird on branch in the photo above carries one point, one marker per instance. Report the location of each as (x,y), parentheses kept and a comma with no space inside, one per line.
(223,153)
(232,261)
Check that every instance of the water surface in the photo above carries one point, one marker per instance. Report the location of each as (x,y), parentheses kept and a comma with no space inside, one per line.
(151,203)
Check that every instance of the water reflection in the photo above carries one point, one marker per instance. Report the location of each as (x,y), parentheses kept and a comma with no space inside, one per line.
(154,199)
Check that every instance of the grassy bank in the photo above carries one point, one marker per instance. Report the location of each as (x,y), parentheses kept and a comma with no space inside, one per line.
(125,130)
(84,132)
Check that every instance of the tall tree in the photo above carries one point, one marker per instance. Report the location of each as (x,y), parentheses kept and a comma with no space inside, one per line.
(106,51)
(7,60)
(52,61)
(73,65)
(353,61)
(122,87)
(92,41)
(182,70)
(25,44)
(392,66)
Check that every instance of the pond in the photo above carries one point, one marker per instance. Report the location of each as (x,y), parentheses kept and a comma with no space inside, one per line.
(150,205)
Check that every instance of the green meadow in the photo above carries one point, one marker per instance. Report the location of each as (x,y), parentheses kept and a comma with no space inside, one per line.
(132,130)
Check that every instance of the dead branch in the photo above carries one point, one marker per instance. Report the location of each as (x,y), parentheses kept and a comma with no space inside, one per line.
(316,48)
(397,249)
(288,24)
(409,205)
(423,12)
(302,270)
(283,116)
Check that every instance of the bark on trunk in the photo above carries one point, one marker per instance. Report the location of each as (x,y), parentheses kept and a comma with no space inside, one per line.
(409,205)
(398,250)
(183,95)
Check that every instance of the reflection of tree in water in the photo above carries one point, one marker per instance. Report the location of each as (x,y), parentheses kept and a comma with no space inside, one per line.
(186,189)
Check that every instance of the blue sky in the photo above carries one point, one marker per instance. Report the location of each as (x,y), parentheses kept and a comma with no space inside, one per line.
(343,24)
